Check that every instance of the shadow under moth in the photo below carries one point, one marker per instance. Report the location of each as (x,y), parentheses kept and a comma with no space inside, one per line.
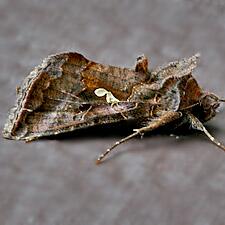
(69,92)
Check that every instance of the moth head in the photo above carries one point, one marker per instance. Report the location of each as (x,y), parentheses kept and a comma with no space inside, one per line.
(209,103)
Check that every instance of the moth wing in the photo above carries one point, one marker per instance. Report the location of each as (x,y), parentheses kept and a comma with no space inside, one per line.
(71,116)
(58,96)
(176,69)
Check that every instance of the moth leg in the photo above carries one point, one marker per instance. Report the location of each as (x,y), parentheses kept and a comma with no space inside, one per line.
(141,64)
(159,122)
(196,124)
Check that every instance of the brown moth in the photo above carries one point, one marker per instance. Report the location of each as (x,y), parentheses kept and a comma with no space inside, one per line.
(68,92)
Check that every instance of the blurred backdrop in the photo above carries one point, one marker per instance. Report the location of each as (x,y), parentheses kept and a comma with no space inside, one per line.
(156,180)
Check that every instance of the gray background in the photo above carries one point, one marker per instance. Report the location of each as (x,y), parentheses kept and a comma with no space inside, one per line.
(156,180)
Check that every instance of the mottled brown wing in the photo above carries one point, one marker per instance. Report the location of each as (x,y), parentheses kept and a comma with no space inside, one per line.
(176,85)
(58,96)
(175,69)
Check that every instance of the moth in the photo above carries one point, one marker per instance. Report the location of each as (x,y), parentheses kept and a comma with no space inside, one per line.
(67,92)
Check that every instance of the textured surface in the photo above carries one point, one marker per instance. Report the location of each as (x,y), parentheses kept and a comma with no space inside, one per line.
(156,180)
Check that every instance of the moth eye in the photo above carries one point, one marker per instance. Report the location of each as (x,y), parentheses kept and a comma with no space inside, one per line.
(100,92)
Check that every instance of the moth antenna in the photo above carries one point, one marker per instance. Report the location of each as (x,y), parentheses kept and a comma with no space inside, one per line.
(161,121)
(215,141)
(196,124)
(102,156)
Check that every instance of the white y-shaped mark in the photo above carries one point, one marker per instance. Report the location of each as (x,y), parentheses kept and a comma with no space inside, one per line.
(100,92)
